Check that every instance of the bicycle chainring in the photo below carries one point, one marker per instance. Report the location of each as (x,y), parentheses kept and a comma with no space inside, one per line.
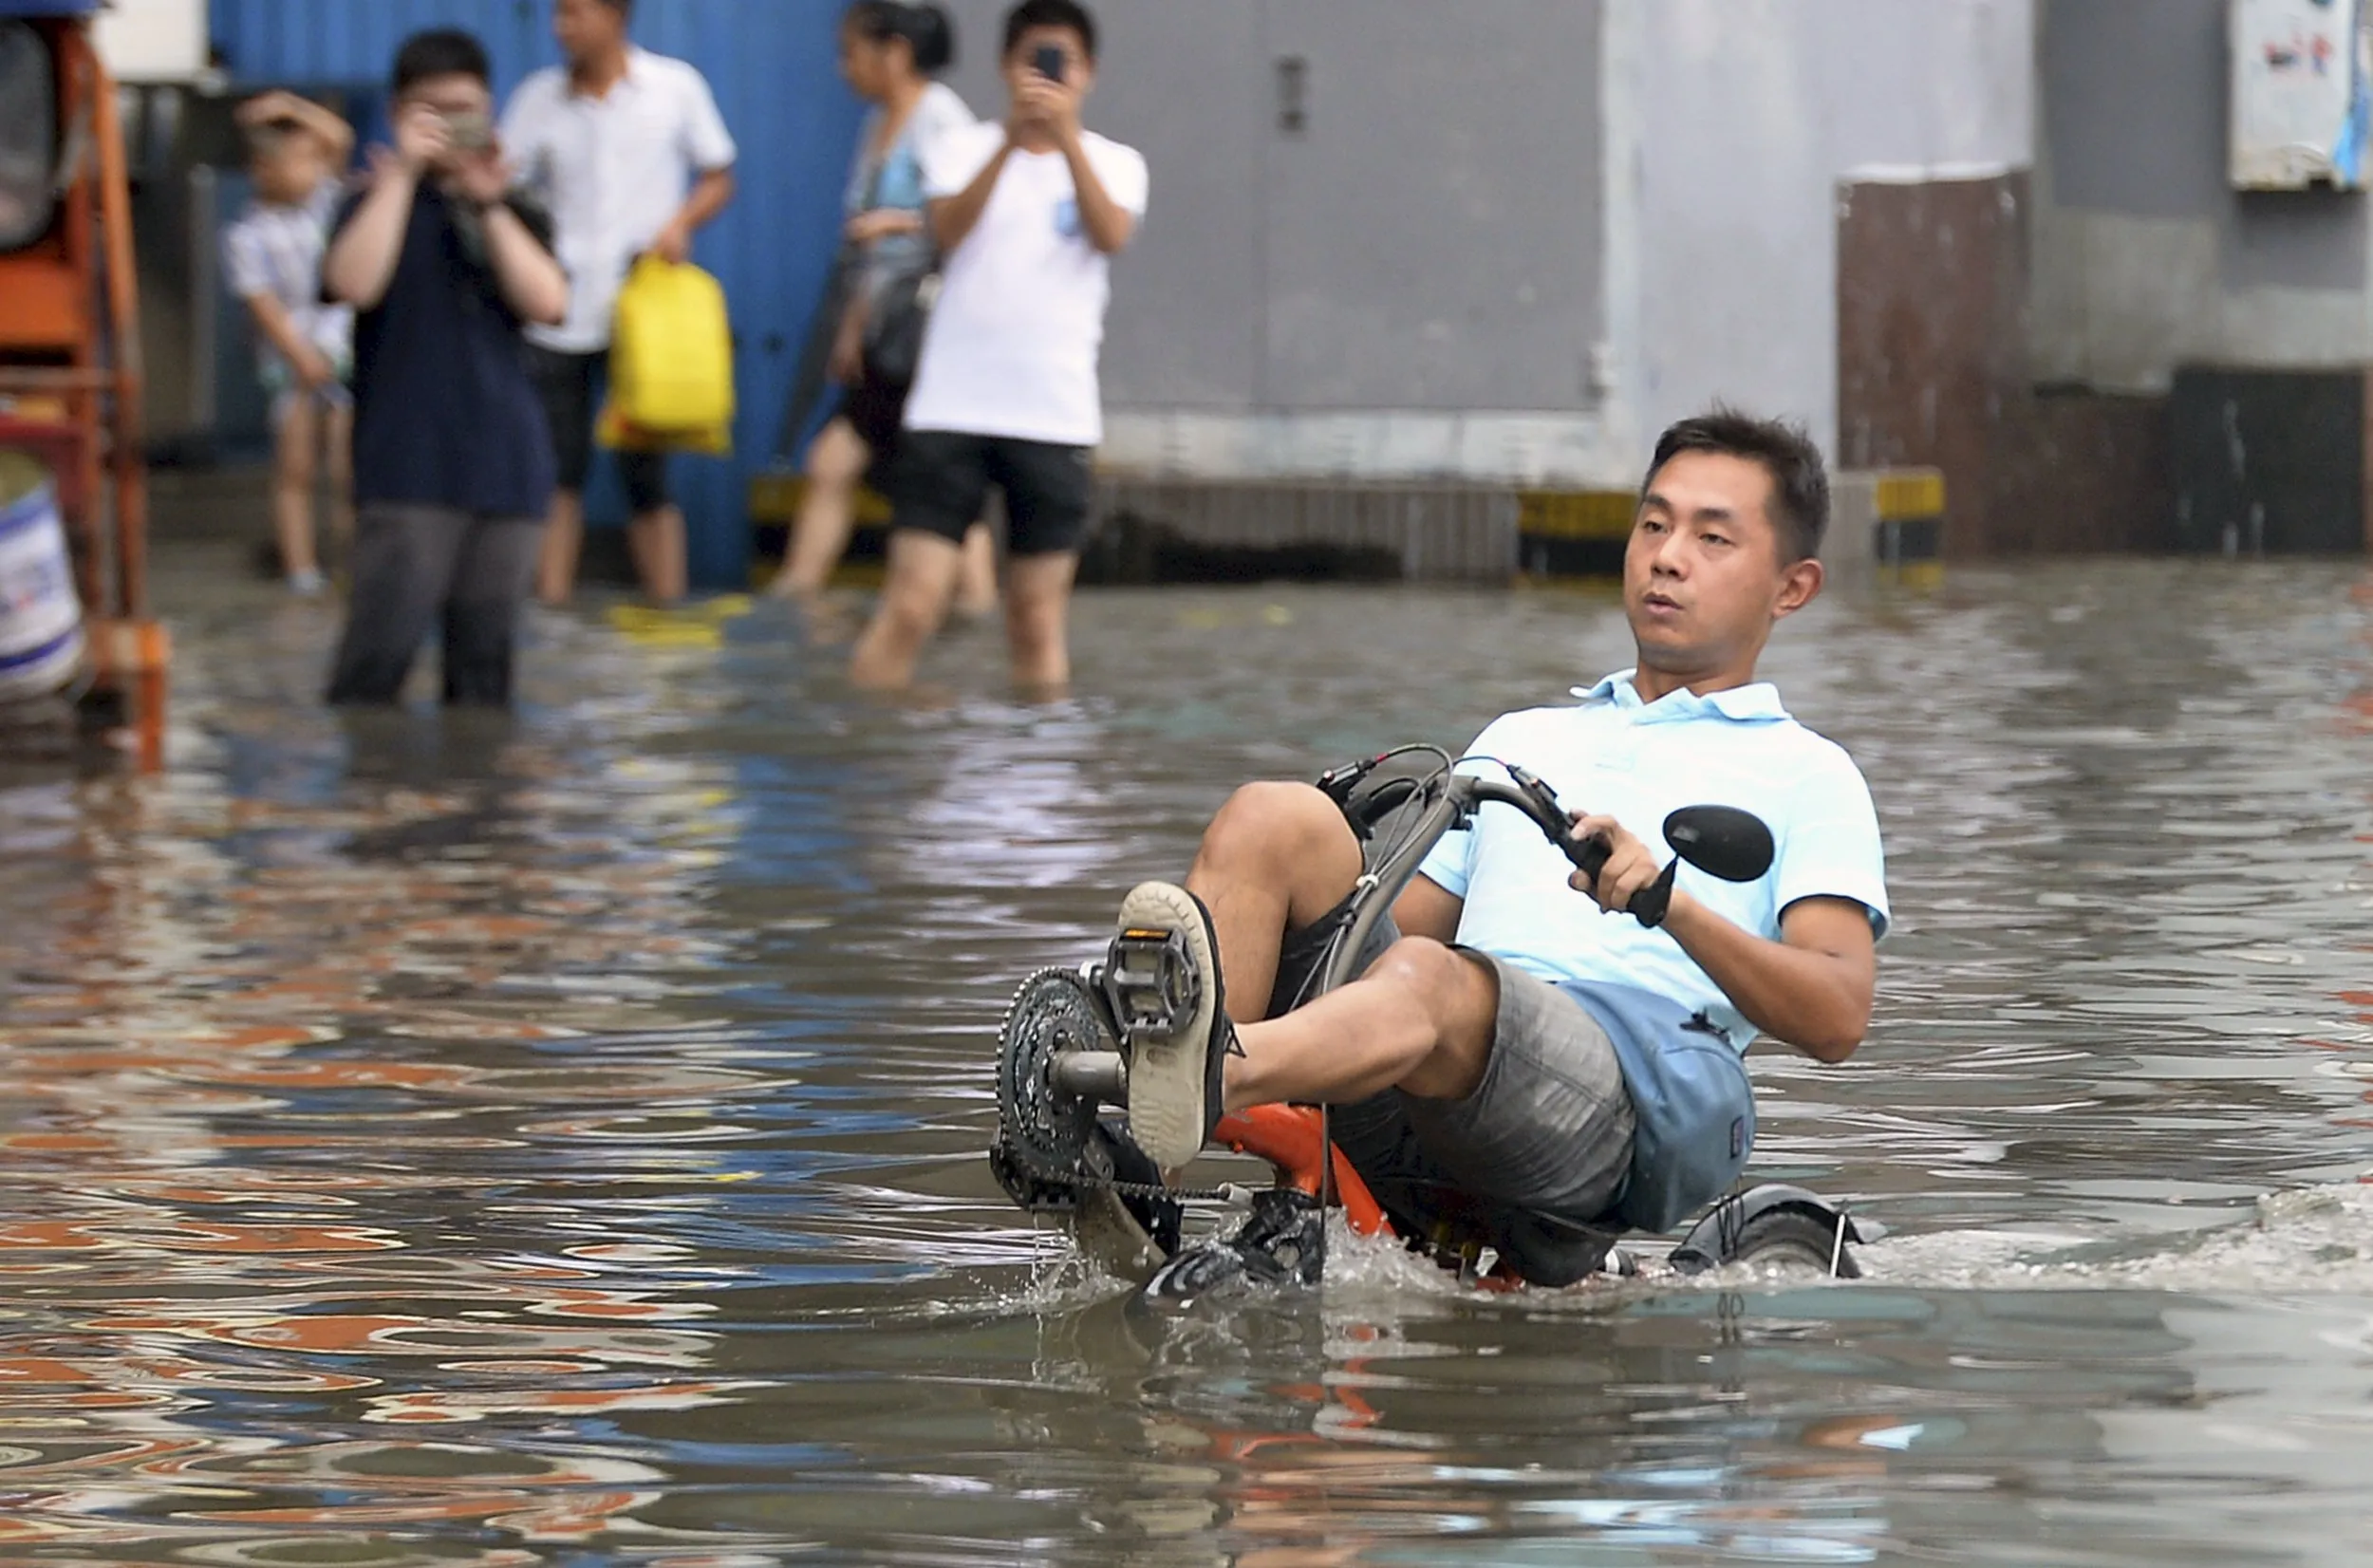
(1042,1131)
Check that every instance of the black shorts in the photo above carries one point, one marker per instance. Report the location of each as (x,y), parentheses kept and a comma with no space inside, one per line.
(570,385)
(941,479)
(874,413)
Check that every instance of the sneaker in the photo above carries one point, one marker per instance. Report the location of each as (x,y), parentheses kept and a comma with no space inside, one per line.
(306,584)
(1161,977)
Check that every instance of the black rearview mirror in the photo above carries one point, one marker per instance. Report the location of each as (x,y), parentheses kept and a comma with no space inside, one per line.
(1721,841)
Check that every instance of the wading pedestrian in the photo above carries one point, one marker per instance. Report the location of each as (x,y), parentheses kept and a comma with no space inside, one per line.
(892,55)
(627,151)
(1029,214)
(444,265)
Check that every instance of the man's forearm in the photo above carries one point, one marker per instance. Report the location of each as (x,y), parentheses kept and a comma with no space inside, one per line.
(1816,1001)
(1106,222)
(531,280)
(711,193)
(953,219)
(362,260)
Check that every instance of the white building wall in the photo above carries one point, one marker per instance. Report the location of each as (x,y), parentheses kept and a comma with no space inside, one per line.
(154,40)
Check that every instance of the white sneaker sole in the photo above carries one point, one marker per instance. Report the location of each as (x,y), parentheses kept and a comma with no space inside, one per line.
(1167,1075)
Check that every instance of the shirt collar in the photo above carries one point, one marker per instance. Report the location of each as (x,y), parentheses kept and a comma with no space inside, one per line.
(1756,703)
(636,55)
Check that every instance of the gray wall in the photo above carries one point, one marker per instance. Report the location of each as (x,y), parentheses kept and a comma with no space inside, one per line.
(1749,115)
(1178,82)
(1411,276)
(2145,256)
(1517,236)
(1428,240)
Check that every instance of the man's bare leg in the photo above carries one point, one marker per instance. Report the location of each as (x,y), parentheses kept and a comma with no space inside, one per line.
(564,532)
(1277,858)
(1037,620)
(976,594)
(655,539)
(923,571)
(828,511)
(1421,1020)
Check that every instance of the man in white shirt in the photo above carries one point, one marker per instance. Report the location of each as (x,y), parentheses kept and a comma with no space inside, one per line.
(1533,1057)
(626,150)
(1029,215)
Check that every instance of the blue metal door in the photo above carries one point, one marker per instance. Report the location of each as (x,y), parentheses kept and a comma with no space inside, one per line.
(772,65)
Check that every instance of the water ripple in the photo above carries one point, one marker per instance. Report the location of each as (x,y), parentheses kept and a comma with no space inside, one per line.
(604,1091)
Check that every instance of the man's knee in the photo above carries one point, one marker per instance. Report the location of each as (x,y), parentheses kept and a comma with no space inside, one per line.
(911,609)
(1458,995)
(1277,818)
(1420,965)
(839,457)
(1446,979)
(1286,837)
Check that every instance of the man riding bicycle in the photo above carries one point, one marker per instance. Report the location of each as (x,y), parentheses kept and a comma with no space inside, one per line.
(1524,1028)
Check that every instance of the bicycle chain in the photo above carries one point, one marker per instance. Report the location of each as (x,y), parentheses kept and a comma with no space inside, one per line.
(1151,1192)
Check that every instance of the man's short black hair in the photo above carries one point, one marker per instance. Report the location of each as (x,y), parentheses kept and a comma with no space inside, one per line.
(926,27)
(440,51)
(624,7)
(1799,483)
(1052,13)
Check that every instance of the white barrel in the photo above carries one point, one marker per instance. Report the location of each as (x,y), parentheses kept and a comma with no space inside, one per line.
(41,621)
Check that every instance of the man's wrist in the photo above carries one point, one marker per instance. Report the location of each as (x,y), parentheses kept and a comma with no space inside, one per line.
(1681,916)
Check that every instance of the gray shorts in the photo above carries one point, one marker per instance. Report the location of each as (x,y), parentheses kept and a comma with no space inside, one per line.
(1530,1162)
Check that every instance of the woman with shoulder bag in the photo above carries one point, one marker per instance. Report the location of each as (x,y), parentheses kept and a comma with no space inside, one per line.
(891,54)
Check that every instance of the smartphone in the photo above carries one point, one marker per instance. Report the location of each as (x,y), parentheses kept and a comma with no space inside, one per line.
(470,133)
(1050,61)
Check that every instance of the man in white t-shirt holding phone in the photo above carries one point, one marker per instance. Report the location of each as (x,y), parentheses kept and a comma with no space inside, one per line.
(1028,214)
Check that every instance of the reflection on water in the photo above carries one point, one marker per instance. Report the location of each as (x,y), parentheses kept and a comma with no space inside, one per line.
(456,1140)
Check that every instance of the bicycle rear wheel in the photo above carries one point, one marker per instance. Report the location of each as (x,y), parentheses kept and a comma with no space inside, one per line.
(1793,1239)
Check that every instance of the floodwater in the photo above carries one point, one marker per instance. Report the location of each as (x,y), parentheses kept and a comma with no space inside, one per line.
(458,1140)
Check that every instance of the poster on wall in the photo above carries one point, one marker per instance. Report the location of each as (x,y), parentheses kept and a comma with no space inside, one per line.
(2300,75)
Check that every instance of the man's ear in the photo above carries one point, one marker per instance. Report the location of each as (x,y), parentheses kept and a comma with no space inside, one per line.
(1800,585)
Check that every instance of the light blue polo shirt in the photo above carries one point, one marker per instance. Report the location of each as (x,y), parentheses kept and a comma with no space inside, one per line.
(1613,755)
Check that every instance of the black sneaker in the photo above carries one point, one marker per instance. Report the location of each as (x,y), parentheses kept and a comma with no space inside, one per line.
(1162,976)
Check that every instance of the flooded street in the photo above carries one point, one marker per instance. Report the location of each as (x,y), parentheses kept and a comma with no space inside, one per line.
(456,1141)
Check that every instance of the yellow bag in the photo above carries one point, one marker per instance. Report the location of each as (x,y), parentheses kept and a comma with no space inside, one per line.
(671,359)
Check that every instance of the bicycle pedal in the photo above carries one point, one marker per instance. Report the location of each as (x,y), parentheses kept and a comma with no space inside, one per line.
(1151,983)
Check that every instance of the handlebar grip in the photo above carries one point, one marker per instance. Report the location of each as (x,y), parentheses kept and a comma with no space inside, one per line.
(1649,904)
(1589,855)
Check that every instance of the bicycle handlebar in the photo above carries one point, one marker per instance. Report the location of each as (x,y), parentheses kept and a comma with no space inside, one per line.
(1533,797)
(1722,841)
(1450,799)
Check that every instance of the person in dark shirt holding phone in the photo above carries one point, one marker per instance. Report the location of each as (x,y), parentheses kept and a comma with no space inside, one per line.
(1029,215)
(453,462)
